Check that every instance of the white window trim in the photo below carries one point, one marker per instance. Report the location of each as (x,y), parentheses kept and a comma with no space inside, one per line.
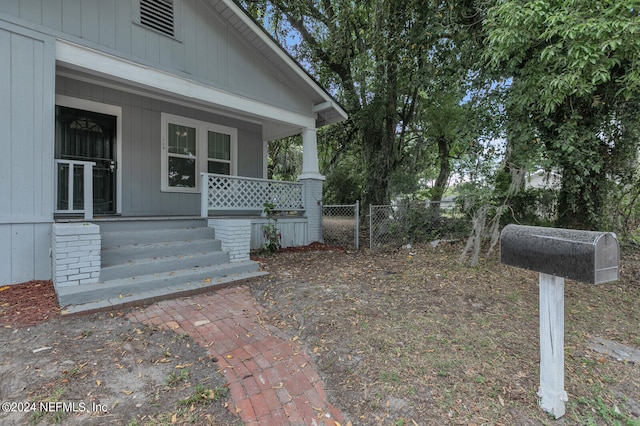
(202,127)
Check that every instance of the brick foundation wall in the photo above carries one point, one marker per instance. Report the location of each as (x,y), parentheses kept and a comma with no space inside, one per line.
(75,253)
(235,236)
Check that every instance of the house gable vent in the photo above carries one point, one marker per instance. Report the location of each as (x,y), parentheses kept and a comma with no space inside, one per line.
(158,15)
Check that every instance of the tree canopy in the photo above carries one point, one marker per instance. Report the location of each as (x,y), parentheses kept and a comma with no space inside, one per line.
(433,87)
(377,57)
(574,89)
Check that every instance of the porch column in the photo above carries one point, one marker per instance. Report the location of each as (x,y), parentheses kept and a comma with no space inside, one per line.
(310,167)
(312,180)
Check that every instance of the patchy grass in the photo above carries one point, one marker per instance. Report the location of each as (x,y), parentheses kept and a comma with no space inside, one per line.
(416,336)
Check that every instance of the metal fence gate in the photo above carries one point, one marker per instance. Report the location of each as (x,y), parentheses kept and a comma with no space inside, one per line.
(340,225)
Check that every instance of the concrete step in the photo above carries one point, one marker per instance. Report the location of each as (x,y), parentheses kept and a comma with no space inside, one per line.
(148,224)
(156,265)
(156,282)
(126,254)
(129,300)
(114,239)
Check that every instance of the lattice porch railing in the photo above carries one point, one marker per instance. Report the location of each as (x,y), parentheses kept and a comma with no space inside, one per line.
(222,192)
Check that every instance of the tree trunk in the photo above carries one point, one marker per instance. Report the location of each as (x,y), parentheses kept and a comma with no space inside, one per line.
(443,176)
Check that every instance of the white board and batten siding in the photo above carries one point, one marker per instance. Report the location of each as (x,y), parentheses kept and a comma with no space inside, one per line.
(293,232)
(26,158)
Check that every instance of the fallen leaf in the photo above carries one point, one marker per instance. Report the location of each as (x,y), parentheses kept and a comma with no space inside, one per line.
(127,392)
(4,287)
(98,382)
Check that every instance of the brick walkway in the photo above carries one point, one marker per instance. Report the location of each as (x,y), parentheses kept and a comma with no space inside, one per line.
(272,380)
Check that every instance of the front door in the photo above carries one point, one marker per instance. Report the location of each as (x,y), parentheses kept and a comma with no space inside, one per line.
(88,136)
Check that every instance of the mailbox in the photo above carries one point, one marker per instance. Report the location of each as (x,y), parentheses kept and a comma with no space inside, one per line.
(586,256)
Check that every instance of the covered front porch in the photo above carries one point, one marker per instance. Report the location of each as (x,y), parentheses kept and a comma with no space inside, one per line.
(111,261)
(223,198)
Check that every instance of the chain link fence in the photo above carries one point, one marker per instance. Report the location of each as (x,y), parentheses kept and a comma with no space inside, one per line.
(340,225)
(393,226)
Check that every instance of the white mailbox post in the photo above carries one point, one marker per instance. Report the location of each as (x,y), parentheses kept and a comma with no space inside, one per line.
(587,256)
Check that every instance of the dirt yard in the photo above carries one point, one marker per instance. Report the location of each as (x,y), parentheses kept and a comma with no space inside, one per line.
(403,338)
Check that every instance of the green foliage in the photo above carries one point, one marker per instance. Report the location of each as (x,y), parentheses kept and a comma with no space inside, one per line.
(533,206)
(484,90)
(285,158)
(415,221)
(270,231)
(574,88)
(177,377)
(376,57)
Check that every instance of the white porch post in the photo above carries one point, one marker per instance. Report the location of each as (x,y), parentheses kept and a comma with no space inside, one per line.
(310,167)
(551,392)
(312,180)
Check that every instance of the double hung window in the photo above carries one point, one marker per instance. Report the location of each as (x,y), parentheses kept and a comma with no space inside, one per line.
(190,147)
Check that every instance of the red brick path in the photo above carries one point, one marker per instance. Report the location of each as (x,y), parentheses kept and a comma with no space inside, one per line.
(272,380)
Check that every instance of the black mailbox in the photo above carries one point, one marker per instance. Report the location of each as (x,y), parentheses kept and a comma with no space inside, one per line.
(587,256)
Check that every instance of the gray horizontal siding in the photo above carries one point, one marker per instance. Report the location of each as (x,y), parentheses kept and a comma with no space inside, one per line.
(141,153)
(207,48)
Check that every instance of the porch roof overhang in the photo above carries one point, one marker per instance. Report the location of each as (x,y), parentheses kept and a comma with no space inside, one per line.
(86,64)
(81,62)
